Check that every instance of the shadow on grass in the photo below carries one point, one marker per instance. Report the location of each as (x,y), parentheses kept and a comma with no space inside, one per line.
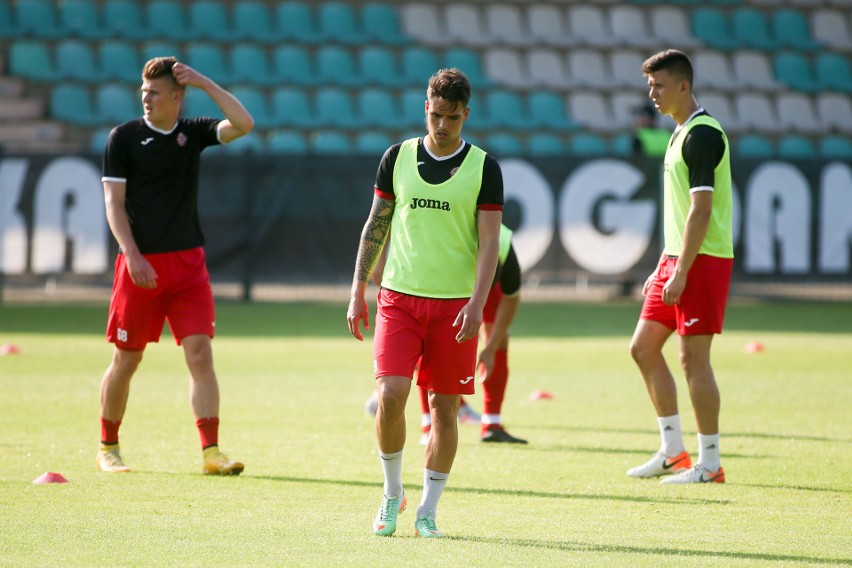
(642,452)
(797,488)
(755,435)
(574,546)
(508,492)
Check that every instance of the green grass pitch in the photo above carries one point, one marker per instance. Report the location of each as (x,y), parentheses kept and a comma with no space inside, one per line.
(293,386)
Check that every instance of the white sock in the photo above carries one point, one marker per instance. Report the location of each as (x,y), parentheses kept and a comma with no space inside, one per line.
(491,419)
(671,438)
(708,452)
(392,467)
(433,486)
(425,420)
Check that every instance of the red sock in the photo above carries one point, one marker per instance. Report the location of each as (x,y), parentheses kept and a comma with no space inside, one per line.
(495,386)
(208,429)
(109,431)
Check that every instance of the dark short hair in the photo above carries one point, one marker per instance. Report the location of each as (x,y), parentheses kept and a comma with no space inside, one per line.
(451,85)
(676,62)
(159,67)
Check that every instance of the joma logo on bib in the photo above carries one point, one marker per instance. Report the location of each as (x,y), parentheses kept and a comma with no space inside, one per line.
(429,204)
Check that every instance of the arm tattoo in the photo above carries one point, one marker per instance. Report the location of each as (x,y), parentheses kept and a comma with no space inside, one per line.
(373,237)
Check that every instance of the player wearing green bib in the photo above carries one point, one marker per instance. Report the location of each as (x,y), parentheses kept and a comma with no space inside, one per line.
(441,200)
(688,291)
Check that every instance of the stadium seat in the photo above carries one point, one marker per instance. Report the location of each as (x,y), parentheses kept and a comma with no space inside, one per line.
(713,70)
(833,72)
(377,108)
(292,108)
(589,25)
(547,25)
(752,146)
(7,29)
(209,59)
(254,101)
(253,21)
(626,65)
(470,62)
(831,28)
(795,71)
(796,112)
(380,24)
(160,49)
(378,66)
(755,110)
(624,104)
(372,143)
(336,66)
(32,60)
(198,103)
(791,29)
(465,25)
(286,142)
(835,147)
(123,19)
(711,26)
(589,68)
(587,145)
(330,142)
(504,24)
(753,69)
(119,61)
(547,110)
(670,25)
(335,108)
(796,147)
(72,102)
(503,109)
(209,20)
(337,23)
(37,18)
(423,22)
(117,103)
(835,112)
(503,144)
(250,143)
(592,110)
(167,20)
(547,69)
(630,27)
(76,61)
(622,145)
(412,106)
(98,140)
(719,106)
(751,28)
(506,67)
(80,18)
(296,22)
(250,64)
(546,144)
(291,65)
(418,64)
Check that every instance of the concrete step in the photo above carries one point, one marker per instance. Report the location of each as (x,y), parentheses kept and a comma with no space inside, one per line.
(20,109)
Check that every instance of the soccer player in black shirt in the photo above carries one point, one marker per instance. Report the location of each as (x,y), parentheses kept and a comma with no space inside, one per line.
(150,177)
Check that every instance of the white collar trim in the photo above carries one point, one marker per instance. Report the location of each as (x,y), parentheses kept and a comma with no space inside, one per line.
(155,129)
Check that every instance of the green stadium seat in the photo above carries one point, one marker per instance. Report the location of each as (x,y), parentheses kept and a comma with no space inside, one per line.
(548,111)
(32,60)
(335,108)
(372,143)
(833,72)
(792,29)
(118,61)
(80,18)
(503,109)
(167,19)
(286,142)
(292,108)
(198,103)
(418,64)
(753,146)
(256,104)
(123,19)
(75,60)
(622,145)
(412,105)
(711,26)
(336,66)
(292,65)
(796,147)
(7,29)
(377,108)
(470,62)
(209,59)
(587,144)
(253,21)
(380,24)
(378,66)
(795,71)
(835,147)
(546,144)
(72,102)
(751,28)
(503,144)
(209,20)
(98,140)
(296,22)
(330,142)
(37,18)
(117,104)
(154,49)
(251,143)
(337,23)
(250,64)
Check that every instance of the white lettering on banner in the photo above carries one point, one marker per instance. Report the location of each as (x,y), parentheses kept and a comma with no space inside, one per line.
(69,204)
(13,230)
(522,182)
(779,218)
(624,228)
(835,219)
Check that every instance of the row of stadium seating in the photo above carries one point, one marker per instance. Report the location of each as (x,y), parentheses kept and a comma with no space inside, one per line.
(253,64)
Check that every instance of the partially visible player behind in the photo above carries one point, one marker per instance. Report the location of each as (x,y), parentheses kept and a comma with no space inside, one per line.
(150,177)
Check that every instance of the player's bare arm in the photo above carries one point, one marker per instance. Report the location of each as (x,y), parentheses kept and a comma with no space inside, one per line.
(697,222)
(470,317)
(141,271)
(373,238)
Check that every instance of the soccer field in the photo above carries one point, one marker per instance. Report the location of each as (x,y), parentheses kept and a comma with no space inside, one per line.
(293,386)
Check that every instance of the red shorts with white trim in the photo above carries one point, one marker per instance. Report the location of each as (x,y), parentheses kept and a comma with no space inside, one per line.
(701,310)
(411,329)
(183,297)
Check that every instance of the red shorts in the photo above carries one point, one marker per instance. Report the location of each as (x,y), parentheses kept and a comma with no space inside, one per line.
(183,297)
(701,310)
(411,329)
(495,296)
